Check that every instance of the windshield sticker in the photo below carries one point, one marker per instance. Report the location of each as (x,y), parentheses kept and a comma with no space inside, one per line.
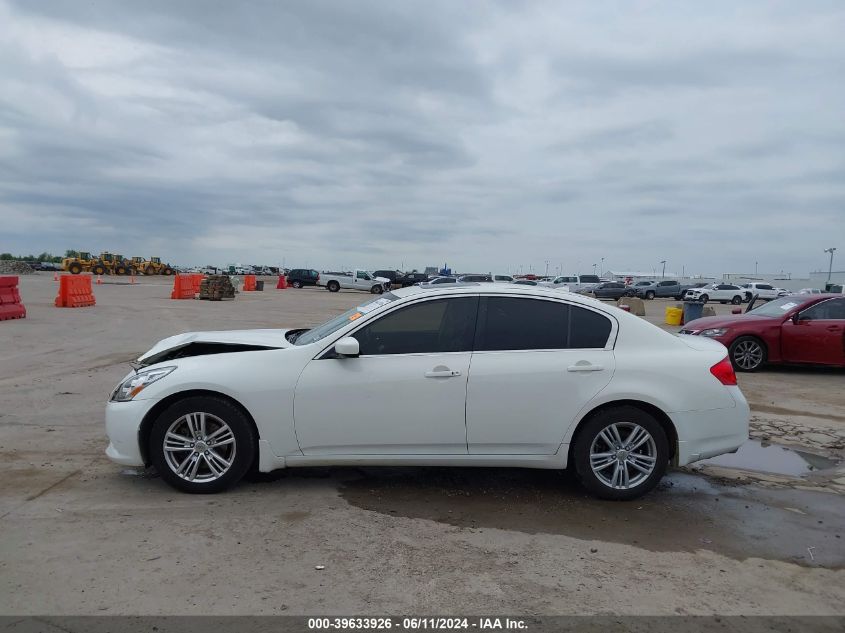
(372,306)
(788,306)
(357,315)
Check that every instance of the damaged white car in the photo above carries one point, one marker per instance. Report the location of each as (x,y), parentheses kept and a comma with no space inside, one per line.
(427,377)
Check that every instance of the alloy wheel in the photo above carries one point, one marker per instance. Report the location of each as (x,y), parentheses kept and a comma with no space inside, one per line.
(623,455)
(748,354)
(199,447)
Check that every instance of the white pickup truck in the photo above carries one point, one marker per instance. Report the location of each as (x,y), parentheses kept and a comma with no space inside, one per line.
(357,280)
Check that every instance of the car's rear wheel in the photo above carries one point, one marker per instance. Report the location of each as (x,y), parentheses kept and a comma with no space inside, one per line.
(621,453)
(747,353)
(202,444)
(333,286)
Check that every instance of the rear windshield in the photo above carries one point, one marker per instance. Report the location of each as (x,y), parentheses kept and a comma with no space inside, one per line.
(333,325)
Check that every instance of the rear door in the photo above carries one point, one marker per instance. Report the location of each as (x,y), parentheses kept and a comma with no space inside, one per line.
(535,364)
(817,336)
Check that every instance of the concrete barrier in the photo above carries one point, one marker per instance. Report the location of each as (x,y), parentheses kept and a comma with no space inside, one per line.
(635,303)
(708,311)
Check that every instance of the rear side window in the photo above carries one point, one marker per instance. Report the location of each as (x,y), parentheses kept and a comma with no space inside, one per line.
(429,327)
(510,323)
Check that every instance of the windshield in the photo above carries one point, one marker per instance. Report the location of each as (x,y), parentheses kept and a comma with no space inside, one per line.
(776,307)
(333,325)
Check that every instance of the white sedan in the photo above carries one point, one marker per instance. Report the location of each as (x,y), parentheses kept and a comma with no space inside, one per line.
(426,377)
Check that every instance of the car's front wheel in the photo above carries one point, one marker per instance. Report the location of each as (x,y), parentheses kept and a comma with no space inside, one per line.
(649,295)
(297,284)
(747,353)
(202,444)
(621,453)
(737,300)
(704,298)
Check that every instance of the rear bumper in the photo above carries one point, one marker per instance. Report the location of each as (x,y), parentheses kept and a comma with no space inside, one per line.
(704,434)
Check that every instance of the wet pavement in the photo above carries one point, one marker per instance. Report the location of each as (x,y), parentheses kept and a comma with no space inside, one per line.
(687,512)
(765,457)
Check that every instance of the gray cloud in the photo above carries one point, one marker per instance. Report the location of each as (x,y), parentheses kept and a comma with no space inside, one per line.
(488,134)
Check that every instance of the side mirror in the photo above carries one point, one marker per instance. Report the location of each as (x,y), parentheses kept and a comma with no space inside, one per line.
(348,347)
(796,318)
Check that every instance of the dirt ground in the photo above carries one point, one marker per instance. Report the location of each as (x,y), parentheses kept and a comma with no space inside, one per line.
(81,535)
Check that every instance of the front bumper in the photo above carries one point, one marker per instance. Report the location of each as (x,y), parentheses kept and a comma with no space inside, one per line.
(123,423)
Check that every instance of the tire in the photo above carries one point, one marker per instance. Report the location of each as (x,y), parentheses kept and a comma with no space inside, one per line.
(149,270)
(747,297)
(75,268)
(238,452)
(652,455)
(296,284)
(704,298)
(98,270)
(649,295)
(167,271)
(332,286)
(737,300)
(119,270)
(377,289)
(748,353)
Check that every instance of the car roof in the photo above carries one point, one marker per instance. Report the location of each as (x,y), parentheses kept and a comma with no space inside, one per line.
(459,288)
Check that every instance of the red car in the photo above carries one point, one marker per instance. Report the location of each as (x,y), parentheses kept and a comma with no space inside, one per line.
(792,329)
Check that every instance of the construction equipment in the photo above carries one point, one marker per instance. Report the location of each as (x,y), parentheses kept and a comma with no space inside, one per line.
(113,264)
(151,266)
(84,263)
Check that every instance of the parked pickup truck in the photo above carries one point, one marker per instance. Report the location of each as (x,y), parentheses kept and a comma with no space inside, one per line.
(663,288)
(356,280)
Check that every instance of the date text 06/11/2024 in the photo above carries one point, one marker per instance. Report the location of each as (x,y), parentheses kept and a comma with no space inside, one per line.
(416,623)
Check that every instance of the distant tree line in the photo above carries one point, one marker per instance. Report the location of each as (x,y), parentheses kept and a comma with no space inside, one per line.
(43,257)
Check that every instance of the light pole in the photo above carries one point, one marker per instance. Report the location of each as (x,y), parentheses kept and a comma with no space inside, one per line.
(594,268)
(755,269)
(663,261)
(830,266)
(547,268)
(601,270)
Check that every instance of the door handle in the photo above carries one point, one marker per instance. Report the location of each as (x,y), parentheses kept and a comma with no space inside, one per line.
(584,367)
(442,373)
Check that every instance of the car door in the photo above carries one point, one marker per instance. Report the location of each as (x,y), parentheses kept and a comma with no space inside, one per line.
(404,394)
(816,335)
(535,364)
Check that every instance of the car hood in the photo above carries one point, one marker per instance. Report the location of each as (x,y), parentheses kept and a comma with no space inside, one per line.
(201,343)
(728,320)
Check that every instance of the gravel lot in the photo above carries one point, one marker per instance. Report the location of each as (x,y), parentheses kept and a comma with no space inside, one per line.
(83,536)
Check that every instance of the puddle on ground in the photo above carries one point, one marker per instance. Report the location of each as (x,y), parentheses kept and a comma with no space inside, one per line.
(772,459)
(686,512)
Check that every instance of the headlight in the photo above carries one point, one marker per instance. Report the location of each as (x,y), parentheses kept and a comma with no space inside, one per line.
(716,331)
(136,383)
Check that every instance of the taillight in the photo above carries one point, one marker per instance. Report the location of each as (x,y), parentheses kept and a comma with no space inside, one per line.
(724,372)
(318,278)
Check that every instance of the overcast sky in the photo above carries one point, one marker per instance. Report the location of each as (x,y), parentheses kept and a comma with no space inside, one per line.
(489,135)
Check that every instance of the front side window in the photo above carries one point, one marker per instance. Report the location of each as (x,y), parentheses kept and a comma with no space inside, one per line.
(834,309)
(511,323)
(429,327)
